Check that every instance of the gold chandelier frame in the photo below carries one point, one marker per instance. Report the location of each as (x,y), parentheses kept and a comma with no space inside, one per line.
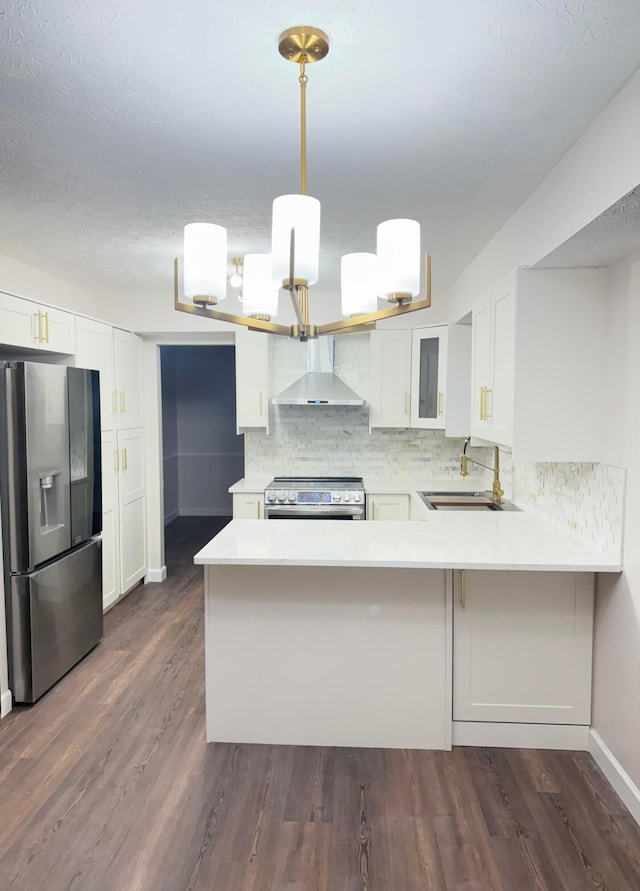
(304,45)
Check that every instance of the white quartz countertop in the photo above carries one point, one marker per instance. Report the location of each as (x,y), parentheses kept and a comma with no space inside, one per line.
(447,540)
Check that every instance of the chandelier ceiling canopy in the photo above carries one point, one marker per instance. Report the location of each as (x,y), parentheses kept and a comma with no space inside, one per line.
(392,273)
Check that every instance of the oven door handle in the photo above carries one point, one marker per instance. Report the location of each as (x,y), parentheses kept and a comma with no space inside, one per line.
(327,512)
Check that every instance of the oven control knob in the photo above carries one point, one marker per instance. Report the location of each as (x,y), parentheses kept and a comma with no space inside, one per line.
(346,496)
(281,496)
(357,497)
(292,497)
(336,496)
(271,497)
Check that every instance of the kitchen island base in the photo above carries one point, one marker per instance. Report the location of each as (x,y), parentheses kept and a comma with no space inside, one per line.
(335,656)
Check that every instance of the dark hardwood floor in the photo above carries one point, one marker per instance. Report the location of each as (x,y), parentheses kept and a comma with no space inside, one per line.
(107,784)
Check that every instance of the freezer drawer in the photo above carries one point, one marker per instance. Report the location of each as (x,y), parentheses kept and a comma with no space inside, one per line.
(55,619)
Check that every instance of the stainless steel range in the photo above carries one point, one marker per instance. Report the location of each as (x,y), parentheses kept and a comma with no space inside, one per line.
(315,498)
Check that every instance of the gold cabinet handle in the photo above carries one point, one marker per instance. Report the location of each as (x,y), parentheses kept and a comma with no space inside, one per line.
(115,402)
(463,590)
(406,403)
(116,461)
(259,509)
(483,416)
(440,408)
(260,404)
(38,337)
(122,402)
(124,459)
(487,413)
(46,327)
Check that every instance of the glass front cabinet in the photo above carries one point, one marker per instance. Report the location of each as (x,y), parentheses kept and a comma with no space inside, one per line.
(428,377)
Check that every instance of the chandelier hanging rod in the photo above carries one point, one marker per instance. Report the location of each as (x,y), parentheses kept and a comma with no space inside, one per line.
(303,45)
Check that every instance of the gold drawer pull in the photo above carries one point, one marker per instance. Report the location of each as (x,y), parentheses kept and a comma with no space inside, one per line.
(124,459)
(440,404)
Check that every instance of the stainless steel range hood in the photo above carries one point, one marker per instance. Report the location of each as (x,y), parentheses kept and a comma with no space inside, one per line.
(319,386)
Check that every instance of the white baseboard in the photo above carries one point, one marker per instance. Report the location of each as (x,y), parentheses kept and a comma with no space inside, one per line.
(206,511)
(615,773)
(170,517)
(574,737)
(6,703)
(155,575)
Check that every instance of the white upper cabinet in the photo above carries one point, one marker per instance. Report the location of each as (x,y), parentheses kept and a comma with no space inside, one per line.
(390,396)
(117,355)
(492,377)
(94,349)
(538,375)
(30,325)
(429,377)
(253,369)
(408,378)
(127,352)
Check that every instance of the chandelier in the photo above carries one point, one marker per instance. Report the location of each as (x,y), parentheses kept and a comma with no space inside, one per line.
(392,273)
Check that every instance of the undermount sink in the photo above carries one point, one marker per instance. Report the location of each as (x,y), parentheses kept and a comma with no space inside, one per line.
(463,501)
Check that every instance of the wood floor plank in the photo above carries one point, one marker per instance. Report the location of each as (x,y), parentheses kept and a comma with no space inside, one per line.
(107,784)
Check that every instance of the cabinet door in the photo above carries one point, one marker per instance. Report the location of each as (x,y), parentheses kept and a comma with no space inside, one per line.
(390,397)
(248,507)
(388,507)
(127,349)
(428,377)
(110,474)
(58,330)
(131,501)
(20,322)
(499,401)
(252,380)
(94,349)
(493,364)
(522,645)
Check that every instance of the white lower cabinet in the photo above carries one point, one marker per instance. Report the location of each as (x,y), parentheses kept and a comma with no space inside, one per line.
(124,514)
(522,646)
(249,506)
(387,507)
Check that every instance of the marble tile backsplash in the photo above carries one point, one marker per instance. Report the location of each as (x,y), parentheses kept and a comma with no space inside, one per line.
(336,440)
(586,500)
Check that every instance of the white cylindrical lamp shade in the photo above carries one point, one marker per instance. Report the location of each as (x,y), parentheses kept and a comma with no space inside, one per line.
(301,213)
(205,261)
(398,250)
(359,283)
(259,290)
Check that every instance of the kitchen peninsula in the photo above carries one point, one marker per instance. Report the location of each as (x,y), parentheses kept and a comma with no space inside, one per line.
(350,634)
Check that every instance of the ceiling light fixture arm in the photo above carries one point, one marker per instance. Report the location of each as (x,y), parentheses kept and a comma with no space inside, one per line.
(195,310)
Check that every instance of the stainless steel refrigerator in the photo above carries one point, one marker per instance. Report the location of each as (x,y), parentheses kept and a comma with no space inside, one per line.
(51,498)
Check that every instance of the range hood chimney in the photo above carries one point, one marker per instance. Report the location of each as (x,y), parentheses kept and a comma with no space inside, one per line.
(319,386)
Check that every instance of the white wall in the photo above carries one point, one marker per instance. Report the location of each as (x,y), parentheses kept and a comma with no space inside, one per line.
(616,696)
(34,284)
(600,167)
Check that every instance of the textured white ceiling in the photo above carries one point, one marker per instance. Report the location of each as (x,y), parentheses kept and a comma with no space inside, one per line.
(121,121)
